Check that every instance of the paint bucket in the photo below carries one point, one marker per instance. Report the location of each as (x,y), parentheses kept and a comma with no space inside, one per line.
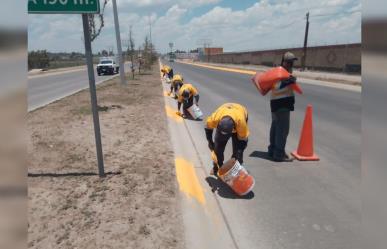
(265,81)
(195,112)
(237,177)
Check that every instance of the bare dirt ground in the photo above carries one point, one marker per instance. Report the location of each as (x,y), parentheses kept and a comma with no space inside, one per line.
(136,206)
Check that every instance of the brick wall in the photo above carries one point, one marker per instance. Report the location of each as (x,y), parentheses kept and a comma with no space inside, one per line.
(346,58)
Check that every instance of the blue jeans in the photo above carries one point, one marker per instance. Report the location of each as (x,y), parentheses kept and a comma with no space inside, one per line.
(279,132)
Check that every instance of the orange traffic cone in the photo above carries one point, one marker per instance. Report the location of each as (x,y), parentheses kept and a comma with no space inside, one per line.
(305,147)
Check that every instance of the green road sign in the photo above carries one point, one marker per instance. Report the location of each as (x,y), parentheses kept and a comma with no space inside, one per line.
(63,6)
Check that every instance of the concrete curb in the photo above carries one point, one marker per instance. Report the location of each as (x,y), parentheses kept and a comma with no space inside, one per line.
(204,221)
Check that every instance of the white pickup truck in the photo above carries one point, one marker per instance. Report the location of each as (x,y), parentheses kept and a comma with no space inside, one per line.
(107,66)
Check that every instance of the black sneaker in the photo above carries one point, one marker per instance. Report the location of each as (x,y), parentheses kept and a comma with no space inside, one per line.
(285,159)
(214,171)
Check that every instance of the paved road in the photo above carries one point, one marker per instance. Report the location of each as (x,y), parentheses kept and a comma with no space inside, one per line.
(46,88)
(295,205)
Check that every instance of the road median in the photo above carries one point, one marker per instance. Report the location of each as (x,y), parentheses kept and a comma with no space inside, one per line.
(136,205)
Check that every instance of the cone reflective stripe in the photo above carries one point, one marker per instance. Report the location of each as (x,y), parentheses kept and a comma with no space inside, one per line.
(305,151)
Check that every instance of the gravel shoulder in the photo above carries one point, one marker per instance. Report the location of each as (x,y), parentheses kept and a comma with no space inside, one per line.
(136,205)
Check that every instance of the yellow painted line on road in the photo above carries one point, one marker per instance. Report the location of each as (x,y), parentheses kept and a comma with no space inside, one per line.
(188,180)
(226,69)
(171,113)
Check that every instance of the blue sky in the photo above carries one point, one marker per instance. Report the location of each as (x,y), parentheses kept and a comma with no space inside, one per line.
(235,25)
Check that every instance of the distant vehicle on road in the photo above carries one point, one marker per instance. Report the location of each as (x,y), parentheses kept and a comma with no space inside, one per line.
(107,66)
(172,57)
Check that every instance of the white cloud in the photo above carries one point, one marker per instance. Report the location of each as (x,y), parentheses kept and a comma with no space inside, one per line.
(265,24)
(166,3)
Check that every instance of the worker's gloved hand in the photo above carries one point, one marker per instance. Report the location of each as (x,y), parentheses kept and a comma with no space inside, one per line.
(211,145)
(239,156)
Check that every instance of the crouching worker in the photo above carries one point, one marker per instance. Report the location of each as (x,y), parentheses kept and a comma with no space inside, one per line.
(176,84)
(167,72)
(230,121)
(188,95)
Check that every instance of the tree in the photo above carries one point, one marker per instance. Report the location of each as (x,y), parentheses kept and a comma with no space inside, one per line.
(105,53)
(148,55)
(140,60)
(38,59)
(94,26)
(131,50)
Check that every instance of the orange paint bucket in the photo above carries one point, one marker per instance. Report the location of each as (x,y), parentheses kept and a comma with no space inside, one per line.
(237,177)
(265,81)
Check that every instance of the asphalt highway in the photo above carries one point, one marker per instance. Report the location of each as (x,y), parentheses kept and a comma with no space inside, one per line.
(308,205)
(48,87)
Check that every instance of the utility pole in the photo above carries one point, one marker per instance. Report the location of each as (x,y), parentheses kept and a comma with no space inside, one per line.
(305,42)
(119,47)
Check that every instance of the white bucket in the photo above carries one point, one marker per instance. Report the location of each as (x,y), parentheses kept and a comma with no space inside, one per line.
(195,112)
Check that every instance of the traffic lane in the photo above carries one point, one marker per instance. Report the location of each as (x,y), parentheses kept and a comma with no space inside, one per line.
(47,88)
(329,98)
(312,205)
(290,203)
(337,112)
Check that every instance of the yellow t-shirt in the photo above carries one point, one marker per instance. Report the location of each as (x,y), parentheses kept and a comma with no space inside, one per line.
(192,91)
(237,112)
(177,78)
(166,69)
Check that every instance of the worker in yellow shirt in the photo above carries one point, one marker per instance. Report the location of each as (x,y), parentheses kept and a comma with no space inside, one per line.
(230,121)
(188,95)
(167,72)
(176,84)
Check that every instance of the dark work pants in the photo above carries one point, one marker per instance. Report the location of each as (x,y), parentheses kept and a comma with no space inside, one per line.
(170,74)
(220,145)
(187,104)
(279,132)
(175,88)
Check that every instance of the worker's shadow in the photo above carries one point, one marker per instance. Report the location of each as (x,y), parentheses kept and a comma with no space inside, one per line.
(70,174)
(261,154)
(224,190)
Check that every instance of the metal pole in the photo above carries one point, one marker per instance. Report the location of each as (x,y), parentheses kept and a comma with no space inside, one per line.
(119,47)
(93,94)
(305,41)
